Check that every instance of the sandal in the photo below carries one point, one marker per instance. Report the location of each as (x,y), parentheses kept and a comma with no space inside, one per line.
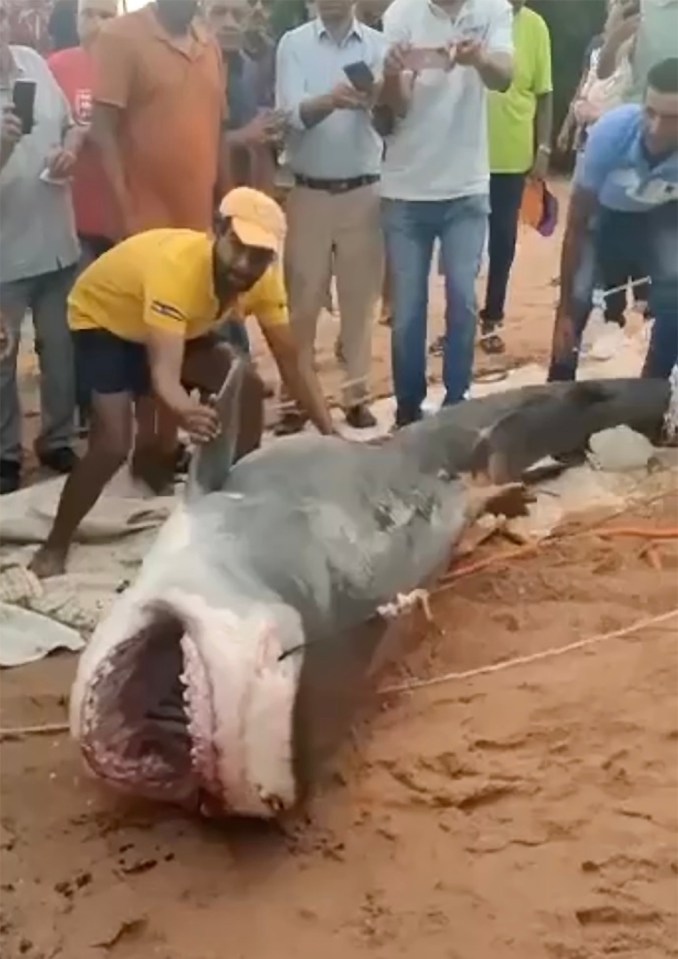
(492,344)
(437,348)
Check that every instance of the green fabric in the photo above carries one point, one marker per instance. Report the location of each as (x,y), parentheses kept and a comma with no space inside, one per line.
(511,114)
(657,40)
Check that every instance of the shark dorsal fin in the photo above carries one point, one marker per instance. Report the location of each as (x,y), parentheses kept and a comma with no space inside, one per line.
(212,462)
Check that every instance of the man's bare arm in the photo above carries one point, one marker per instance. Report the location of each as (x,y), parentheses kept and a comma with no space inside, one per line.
(609,53)
(104,132)
(582,207)
(166,358)
(302,383)
(496,71)
(544,120)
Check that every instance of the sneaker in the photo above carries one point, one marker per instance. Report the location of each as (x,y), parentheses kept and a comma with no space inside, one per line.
(61,461)
(405,418)
(10,476)
(361,417)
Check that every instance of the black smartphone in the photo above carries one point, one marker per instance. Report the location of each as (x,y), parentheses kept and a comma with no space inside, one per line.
(23,101)
(360,76)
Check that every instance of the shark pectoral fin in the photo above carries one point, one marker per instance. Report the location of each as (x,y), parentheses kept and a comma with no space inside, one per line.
(212,462)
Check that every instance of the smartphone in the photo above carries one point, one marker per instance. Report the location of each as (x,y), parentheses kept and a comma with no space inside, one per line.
(427,58)
(360,76)
(23,102)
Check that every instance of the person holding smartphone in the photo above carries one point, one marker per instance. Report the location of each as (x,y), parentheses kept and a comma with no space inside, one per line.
(443,58)
(328,74)
(38,147)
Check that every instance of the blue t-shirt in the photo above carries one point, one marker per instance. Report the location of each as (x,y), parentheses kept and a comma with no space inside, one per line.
(616,169)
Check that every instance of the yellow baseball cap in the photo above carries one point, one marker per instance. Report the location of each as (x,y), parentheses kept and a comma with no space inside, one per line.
(257,220)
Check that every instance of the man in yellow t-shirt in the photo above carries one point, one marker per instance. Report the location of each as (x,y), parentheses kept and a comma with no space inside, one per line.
(142,319)
(514,116)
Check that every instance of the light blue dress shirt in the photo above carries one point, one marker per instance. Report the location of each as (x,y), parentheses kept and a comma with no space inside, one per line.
(309,64)
(38,230)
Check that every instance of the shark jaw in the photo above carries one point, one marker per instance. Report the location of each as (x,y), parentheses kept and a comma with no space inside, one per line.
(192,705)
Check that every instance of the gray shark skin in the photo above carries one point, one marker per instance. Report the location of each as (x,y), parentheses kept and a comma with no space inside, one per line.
(230,669)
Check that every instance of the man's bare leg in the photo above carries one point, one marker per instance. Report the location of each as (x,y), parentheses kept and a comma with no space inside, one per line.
(155,444)
(109,444)
(206,368)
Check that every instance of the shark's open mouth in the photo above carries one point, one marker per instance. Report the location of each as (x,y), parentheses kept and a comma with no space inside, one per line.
(193,706)
(138,730)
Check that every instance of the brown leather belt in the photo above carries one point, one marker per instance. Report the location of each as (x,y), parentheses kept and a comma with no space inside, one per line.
(336,186)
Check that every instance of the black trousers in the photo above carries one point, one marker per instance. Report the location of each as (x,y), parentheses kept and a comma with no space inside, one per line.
(506,194)
(622,253)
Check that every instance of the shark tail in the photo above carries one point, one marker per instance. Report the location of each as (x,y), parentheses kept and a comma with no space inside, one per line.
(502,435)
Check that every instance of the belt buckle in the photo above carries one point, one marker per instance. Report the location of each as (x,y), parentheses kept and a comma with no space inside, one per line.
(339,186)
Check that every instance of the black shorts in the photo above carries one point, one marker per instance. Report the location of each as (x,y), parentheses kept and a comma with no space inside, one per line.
(105,363)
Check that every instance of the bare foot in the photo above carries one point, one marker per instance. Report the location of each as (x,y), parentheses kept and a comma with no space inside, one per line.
(48,561)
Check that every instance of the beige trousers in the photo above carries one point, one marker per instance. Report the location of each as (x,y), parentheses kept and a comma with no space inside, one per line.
(336,233)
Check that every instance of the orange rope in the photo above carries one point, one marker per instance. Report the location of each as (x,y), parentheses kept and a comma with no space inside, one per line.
(448,579)
(649,532)
(479,565)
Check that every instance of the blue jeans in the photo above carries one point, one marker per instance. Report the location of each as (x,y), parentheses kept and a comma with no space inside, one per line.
(654,235)
(411,228)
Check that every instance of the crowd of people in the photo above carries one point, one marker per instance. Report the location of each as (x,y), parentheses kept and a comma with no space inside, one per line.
(141,218)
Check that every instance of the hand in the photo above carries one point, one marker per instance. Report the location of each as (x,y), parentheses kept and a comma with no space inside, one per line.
(345,97)
(540,167)
(11,133)
(564,342)
(396,60)
(469,53)
(266,127)
(201,422)
(60,163)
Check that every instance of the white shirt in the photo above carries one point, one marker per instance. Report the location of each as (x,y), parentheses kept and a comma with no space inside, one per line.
(439,150)
(309,64)
(37,225)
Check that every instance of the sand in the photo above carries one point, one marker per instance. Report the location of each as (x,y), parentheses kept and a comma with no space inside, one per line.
(523,814)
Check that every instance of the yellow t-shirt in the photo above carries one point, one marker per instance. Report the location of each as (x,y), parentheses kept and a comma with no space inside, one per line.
(511,114)
(163,279)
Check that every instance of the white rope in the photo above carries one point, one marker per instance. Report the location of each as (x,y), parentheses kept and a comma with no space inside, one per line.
(12,731)
(411,685)
(414,684)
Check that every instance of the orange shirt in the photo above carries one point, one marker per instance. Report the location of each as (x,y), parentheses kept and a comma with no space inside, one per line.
(95,208)
(171,94)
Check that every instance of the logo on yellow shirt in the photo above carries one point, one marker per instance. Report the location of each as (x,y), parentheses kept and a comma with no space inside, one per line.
(166,309)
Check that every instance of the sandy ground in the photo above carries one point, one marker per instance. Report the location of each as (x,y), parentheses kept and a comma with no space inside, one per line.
(522,814)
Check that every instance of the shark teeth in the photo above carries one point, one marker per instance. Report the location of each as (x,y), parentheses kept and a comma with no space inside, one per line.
(671,415)
(199,715)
